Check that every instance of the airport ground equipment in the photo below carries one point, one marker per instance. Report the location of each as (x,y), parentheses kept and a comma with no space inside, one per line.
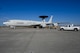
(70,27)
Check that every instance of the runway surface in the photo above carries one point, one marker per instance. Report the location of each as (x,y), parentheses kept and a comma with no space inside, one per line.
(39,41)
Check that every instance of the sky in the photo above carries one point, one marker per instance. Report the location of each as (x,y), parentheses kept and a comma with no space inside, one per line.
(62,10)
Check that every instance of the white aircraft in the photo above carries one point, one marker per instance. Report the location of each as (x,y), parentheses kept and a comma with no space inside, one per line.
(14,23)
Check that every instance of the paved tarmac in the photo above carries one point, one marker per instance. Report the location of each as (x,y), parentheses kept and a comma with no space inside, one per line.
(39,41)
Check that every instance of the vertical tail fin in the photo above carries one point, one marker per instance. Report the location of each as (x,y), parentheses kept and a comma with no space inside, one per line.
(50,20)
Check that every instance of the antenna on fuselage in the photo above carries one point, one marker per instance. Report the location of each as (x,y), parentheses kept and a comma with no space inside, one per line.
(43,18)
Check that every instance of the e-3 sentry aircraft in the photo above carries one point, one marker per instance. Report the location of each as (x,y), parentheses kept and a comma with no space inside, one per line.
(40,24)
